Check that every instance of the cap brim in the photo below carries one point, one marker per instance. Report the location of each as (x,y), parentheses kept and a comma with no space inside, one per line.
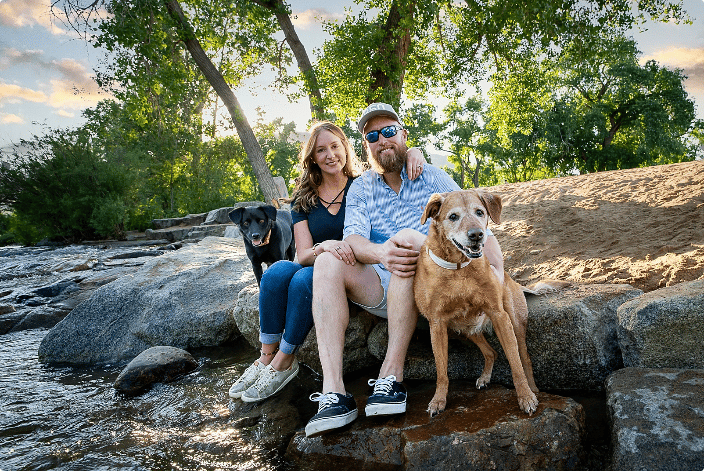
(372,114)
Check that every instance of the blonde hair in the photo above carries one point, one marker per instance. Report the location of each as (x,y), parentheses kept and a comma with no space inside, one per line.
(305,194)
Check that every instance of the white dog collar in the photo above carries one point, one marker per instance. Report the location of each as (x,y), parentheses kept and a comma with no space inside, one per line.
(444,263)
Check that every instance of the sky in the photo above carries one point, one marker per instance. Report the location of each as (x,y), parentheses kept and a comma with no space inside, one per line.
(46,70)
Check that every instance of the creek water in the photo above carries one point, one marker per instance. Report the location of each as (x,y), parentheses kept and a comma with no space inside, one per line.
(72,419)
(69,418)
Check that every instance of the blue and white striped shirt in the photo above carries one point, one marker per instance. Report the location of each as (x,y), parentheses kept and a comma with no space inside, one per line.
(375,212)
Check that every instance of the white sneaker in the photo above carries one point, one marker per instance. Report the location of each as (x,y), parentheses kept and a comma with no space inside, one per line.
(270,382)
(247,379)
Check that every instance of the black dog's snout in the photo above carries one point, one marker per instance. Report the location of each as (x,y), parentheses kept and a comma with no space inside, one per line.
(475,235)
(255,235)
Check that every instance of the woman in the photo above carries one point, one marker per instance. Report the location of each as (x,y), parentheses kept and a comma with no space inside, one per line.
(328,166)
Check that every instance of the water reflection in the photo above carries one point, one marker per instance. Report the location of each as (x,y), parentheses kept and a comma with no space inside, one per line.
(73,419)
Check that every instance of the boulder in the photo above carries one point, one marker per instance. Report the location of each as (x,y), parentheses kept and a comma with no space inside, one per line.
(657,419)
(202,231)
(171,234)
(218,216)
(10,319)
(664,328)
(357,355)
(42,317)
(161,364)
(6,308)
(479,430)
(188,220)
(572,341)
(182,299)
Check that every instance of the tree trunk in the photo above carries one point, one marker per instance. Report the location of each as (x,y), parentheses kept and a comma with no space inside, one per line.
(310,79)
(388,76)
(217,81)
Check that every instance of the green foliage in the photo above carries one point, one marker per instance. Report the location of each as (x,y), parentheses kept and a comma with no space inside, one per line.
(589,110)
(7,236)
(54,185)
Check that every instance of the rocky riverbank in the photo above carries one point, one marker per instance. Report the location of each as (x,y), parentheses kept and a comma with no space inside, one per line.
(629,327)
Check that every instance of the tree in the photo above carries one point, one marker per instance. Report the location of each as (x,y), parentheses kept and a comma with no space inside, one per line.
(398,50)
(63,188)
(145,26)
(613,113)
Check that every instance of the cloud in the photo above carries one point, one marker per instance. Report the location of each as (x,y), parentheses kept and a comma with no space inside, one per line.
(73,88)
(14,93)
(313,17)
(75,95)
(65,114)
(11,119)
(690,60)
(21,13)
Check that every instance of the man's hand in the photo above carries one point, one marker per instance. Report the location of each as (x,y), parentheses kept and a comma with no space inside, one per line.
(399,257)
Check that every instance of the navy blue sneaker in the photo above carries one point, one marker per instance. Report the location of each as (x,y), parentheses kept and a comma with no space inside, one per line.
(388,398)
(334,411)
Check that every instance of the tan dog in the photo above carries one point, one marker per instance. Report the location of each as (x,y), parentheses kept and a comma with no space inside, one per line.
(456,288)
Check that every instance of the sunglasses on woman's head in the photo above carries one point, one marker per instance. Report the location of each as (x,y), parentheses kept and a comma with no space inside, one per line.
(386,131)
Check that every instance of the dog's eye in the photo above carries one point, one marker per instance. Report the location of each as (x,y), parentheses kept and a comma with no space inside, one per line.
(479,213)
(261,221)
(453,217)
(245,223)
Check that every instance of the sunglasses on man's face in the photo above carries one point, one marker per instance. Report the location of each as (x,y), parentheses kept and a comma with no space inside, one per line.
(386,131)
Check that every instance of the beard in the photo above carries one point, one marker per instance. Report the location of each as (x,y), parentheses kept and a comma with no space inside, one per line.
(386,162)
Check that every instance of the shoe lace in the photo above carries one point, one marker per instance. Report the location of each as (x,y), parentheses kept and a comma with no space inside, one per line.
(264,379)
(250,373)
(382,385)
(324,400)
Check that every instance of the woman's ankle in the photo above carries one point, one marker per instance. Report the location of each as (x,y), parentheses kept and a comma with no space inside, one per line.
(267,354)
(282,361)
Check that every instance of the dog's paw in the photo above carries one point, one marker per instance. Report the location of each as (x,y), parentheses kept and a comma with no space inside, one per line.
(528,404)
(436,406)
(483,382)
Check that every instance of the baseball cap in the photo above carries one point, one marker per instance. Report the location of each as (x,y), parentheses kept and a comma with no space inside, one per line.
(376,109)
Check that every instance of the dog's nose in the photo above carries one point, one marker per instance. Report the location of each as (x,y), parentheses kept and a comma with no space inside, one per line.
(255,235)
(475,235)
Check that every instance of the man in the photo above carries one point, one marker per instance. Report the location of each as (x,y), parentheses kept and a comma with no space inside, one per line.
(382,225)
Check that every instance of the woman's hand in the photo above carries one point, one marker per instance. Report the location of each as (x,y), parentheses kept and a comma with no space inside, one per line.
(414,162)
(340,249)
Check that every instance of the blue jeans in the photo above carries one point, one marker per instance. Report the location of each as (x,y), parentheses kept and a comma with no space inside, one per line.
(286,305)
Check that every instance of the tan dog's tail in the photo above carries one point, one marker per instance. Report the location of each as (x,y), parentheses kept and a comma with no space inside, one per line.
(545,286)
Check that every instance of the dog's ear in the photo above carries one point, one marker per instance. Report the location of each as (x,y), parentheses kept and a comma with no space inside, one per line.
(492,203)
(270,211)
(433,206)
(236,215)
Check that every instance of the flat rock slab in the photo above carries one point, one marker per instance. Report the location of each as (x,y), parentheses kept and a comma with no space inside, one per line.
(161,364)
(479,430)
(657,419)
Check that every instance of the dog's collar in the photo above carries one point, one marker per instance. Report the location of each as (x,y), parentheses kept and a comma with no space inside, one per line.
(444,263)
(266,239)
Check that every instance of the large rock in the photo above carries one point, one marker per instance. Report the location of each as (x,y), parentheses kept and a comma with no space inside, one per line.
(664,328)
(182,299)
(218,216)
(479,430)
(188,220)
(161,364)
(357,355)
(572,341)
(657,419)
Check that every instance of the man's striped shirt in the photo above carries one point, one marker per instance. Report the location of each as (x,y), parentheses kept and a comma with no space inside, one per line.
(375,212)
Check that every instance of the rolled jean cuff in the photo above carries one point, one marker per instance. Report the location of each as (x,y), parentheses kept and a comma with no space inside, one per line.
(287,348)
(268,339)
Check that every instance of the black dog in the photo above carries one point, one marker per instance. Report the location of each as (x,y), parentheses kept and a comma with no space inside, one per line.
(267,234)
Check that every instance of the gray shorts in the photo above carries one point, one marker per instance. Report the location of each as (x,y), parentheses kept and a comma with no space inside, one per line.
(384,277)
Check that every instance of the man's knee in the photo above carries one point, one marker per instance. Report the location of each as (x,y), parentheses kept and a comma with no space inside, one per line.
(328,270)
(412,236)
